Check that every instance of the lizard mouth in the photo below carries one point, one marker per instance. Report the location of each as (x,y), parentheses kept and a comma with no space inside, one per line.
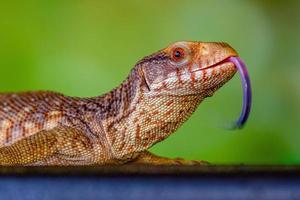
(246,86)
(226,60)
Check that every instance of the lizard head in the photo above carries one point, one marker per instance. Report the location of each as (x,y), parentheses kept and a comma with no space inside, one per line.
(188,68)
(166,87)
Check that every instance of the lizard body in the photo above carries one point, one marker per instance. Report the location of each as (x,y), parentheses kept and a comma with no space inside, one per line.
(158,96)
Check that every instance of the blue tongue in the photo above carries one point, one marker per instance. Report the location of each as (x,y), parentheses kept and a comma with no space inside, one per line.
(247,93)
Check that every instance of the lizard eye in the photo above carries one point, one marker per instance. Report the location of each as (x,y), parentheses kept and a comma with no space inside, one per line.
(178,54)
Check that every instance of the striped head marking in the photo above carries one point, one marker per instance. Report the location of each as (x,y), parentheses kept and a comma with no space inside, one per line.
(186,68)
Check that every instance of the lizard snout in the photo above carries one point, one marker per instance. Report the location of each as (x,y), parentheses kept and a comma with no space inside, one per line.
(211,53)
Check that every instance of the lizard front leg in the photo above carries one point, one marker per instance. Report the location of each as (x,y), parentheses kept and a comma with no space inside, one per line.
(146,157)
(58,146)
(29,150)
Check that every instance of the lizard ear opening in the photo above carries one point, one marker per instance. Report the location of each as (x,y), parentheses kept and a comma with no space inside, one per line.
(154,68)
(143,78)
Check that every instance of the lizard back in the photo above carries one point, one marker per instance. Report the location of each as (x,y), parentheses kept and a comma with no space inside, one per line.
(24,114)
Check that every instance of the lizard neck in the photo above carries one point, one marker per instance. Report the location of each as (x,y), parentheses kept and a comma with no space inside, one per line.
(118,102)
(133,119)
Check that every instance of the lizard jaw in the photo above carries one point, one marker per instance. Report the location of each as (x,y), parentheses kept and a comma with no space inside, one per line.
(246,86)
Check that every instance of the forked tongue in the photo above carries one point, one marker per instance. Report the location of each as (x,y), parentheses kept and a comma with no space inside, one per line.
(247,93)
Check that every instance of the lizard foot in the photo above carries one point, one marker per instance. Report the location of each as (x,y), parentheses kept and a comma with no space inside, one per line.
(149,158)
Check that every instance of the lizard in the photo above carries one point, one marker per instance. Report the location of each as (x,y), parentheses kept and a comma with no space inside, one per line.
(43,128)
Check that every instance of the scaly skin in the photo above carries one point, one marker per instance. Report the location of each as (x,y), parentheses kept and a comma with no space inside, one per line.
(159,95)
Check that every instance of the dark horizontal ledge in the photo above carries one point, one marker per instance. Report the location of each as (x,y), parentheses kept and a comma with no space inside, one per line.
(150,170)
(151,182)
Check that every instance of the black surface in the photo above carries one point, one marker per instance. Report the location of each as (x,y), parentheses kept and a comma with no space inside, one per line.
(151,182)
(150,170)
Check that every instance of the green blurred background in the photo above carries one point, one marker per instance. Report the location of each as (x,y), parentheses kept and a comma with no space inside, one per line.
(85,48)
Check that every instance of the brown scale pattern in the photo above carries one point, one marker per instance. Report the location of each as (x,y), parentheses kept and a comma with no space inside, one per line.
(158,96)
(24,114)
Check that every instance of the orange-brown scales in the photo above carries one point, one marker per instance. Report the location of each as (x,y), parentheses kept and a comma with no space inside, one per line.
(25,114)
(160,93)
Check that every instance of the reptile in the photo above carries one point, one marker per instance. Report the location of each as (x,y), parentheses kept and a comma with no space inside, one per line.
(161,92)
